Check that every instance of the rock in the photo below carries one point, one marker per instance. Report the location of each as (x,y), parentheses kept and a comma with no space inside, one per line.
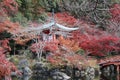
(82,73)
(69,70)
(90,77)
(13,73)
(24,67)
(39,69)
(60,76)
(17,73)
(77,73)
(26,77)
(27,71)
(23,63)
(57,77)
(90,70)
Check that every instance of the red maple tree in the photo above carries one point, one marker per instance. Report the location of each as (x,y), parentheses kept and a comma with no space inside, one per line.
(114,22)
(8,7)
(115,10)
(65,18)
(6,67)
(95,41)
(9,26)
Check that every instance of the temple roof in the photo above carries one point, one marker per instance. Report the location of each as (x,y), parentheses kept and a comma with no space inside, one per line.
(55,25)
(37,30)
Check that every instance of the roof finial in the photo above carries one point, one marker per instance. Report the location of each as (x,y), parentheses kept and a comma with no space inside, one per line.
(53,17)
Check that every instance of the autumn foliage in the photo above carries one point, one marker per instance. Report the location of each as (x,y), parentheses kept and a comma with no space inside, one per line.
(6,67)
(96,42)
(65,18)
(115,11)
(51,46)
(114,22)
(9,26)
(4,46)
(69,44)
(8,7)
(63,51)
(48,46)
(63,59)
(89,38)
(100,47)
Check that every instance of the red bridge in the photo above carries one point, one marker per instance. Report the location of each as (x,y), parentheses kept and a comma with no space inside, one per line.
(114,60)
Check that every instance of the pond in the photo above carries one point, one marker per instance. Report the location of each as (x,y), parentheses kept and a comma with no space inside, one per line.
(111,76)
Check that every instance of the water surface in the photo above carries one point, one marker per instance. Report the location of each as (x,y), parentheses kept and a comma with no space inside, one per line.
(87,77)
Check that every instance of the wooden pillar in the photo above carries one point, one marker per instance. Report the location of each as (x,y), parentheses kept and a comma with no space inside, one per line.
(118,69)
(54,37)
(118,77)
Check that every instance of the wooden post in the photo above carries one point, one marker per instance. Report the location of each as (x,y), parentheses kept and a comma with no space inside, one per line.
(54,37)
(118,77)
(118,69)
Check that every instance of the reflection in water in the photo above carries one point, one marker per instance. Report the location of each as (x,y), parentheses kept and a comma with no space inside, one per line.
(90,77)
(25,78)
(40,78)
(112,76)
(21,78)
(109,73)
